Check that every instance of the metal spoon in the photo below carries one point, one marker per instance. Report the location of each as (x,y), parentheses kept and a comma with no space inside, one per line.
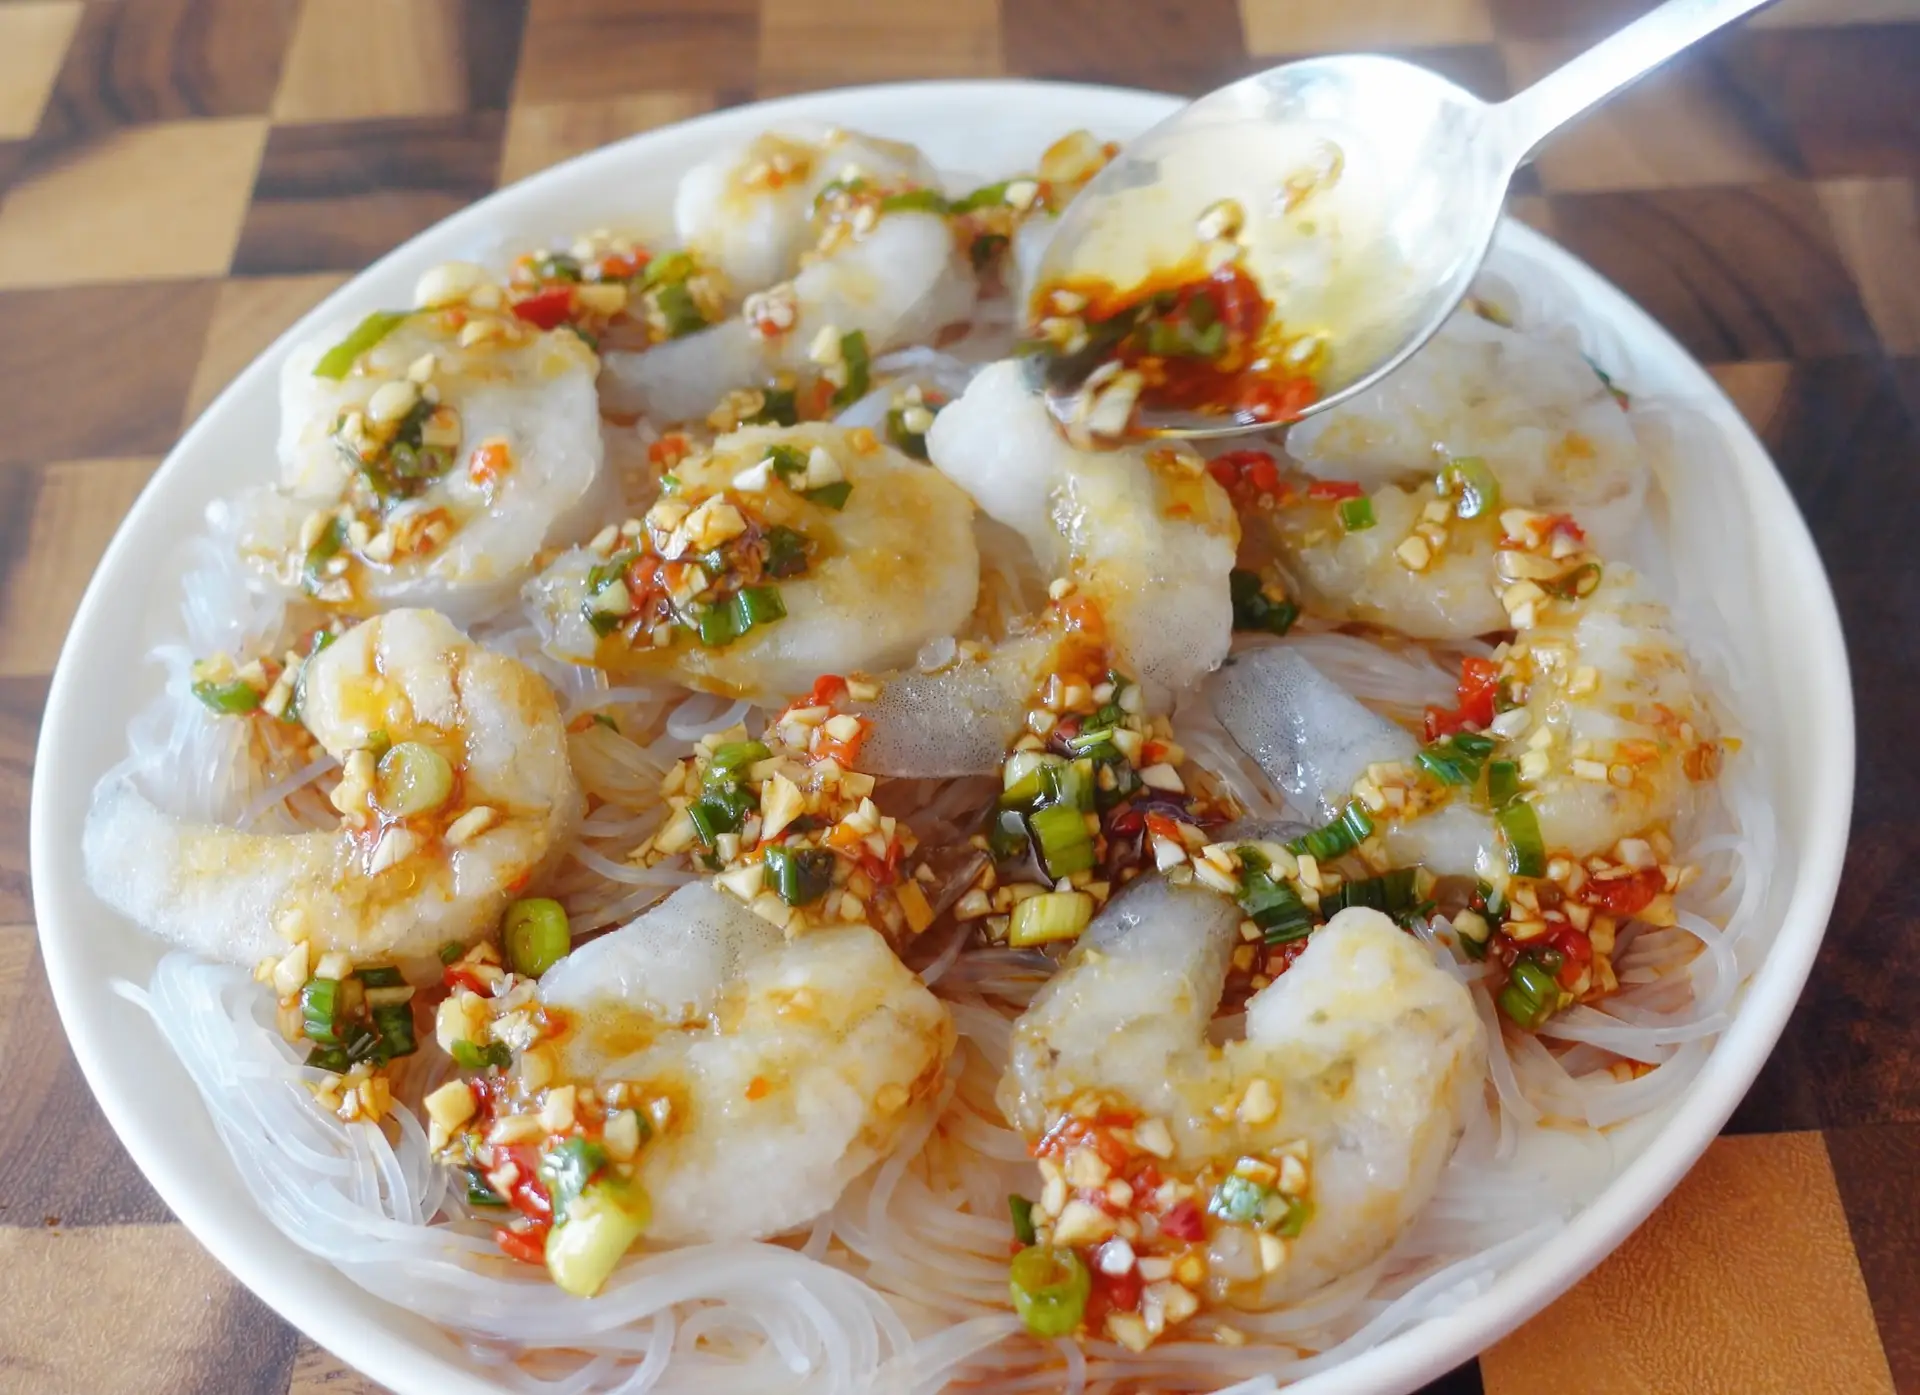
(1366,192)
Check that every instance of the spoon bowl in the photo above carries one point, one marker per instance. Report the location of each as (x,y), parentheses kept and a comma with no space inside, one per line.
(1359,192)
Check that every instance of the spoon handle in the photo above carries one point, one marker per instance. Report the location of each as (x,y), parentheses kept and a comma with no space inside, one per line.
(1531,116)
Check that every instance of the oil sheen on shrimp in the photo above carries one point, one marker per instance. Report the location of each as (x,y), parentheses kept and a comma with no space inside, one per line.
(473,796)
(793,1067)
(894,566)
(898,283)
(1370,1054)
(1526,402)
(748,210)
(431,469)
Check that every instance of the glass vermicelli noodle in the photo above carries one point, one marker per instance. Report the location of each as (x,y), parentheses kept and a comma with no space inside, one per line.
(849,889)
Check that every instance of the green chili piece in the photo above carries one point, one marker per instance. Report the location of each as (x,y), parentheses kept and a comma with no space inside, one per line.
(1049,1287)
(338,361)
(1022,1211)
(537,935)
(228,699)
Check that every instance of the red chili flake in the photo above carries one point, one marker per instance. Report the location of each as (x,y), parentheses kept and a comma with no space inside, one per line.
(1479,682)
(1576,952)
(546,309)
(1626,896)
(527,1246)
(1184,1222)
(828,689)
(1265,400)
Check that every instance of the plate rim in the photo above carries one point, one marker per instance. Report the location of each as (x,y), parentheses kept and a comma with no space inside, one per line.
(1399,1363)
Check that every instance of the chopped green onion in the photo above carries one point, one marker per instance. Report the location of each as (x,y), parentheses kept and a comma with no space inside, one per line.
(1049,1287)
(332,1058)
(412,778)
(729,756)
(1252,610)
(853,353)
(1503,782)
(1520,827)
(787,461)
(600,1227)
(1050,916)
(1476,490)
(320,1011)
(556,266)
(380,976)
(1457,759)
(799,876)
(778,407)
(537,935)
(332,538)
(603,720)
(1022,779)
(393,1024)
(1348,831)
(229,699)
(670,269)
(830,496)
(1581,581)
(1356,515)
(480,1192)
(718,625)
(913,443)
(719,811)
(451,952)
(338,361)
(1065,845)
(836,187)
(787,551)
(1531,994)
(1069,783)
(1243,1201)
(467,1056)
(986,196)
(914,201)
(1007,834)
(677,306)
(757,605)
(1022,1211)
(1270,902)
(1392,892)
(567,1168)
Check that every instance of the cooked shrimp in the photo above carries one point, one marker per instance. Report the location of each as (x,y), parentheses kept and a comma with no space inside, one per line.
(1615,736)
(1344,574)
(438,834)
(1145,533)
(1142,539)
(1527,403)
(860,587)
(790,1068)
(899,282)
(430,467)
(749,210)
(1345,1098)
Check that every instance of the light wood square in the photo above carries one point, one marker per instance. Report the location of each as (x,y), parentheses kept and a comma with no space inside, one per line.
(76,508)
(1745,1279)
(142,203)
(807,43)
(161,1315)
(248,316)
(33,41)
(1673,129)
(1756,388)
(1295,27)
(540,134)
(355,59)
(1876,223)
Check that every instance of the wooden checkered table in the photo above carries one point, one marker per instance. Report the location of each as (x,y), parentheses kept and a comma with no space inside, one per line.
(182,178)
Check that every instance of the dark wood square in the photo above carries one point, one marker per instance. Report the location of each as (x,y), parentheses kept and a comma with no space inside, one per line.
(1169,45)
(333,197)
(579,49)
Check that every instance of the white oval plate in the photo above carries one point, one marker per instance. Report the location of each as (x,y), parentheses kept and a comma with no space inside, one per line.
(986,128)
